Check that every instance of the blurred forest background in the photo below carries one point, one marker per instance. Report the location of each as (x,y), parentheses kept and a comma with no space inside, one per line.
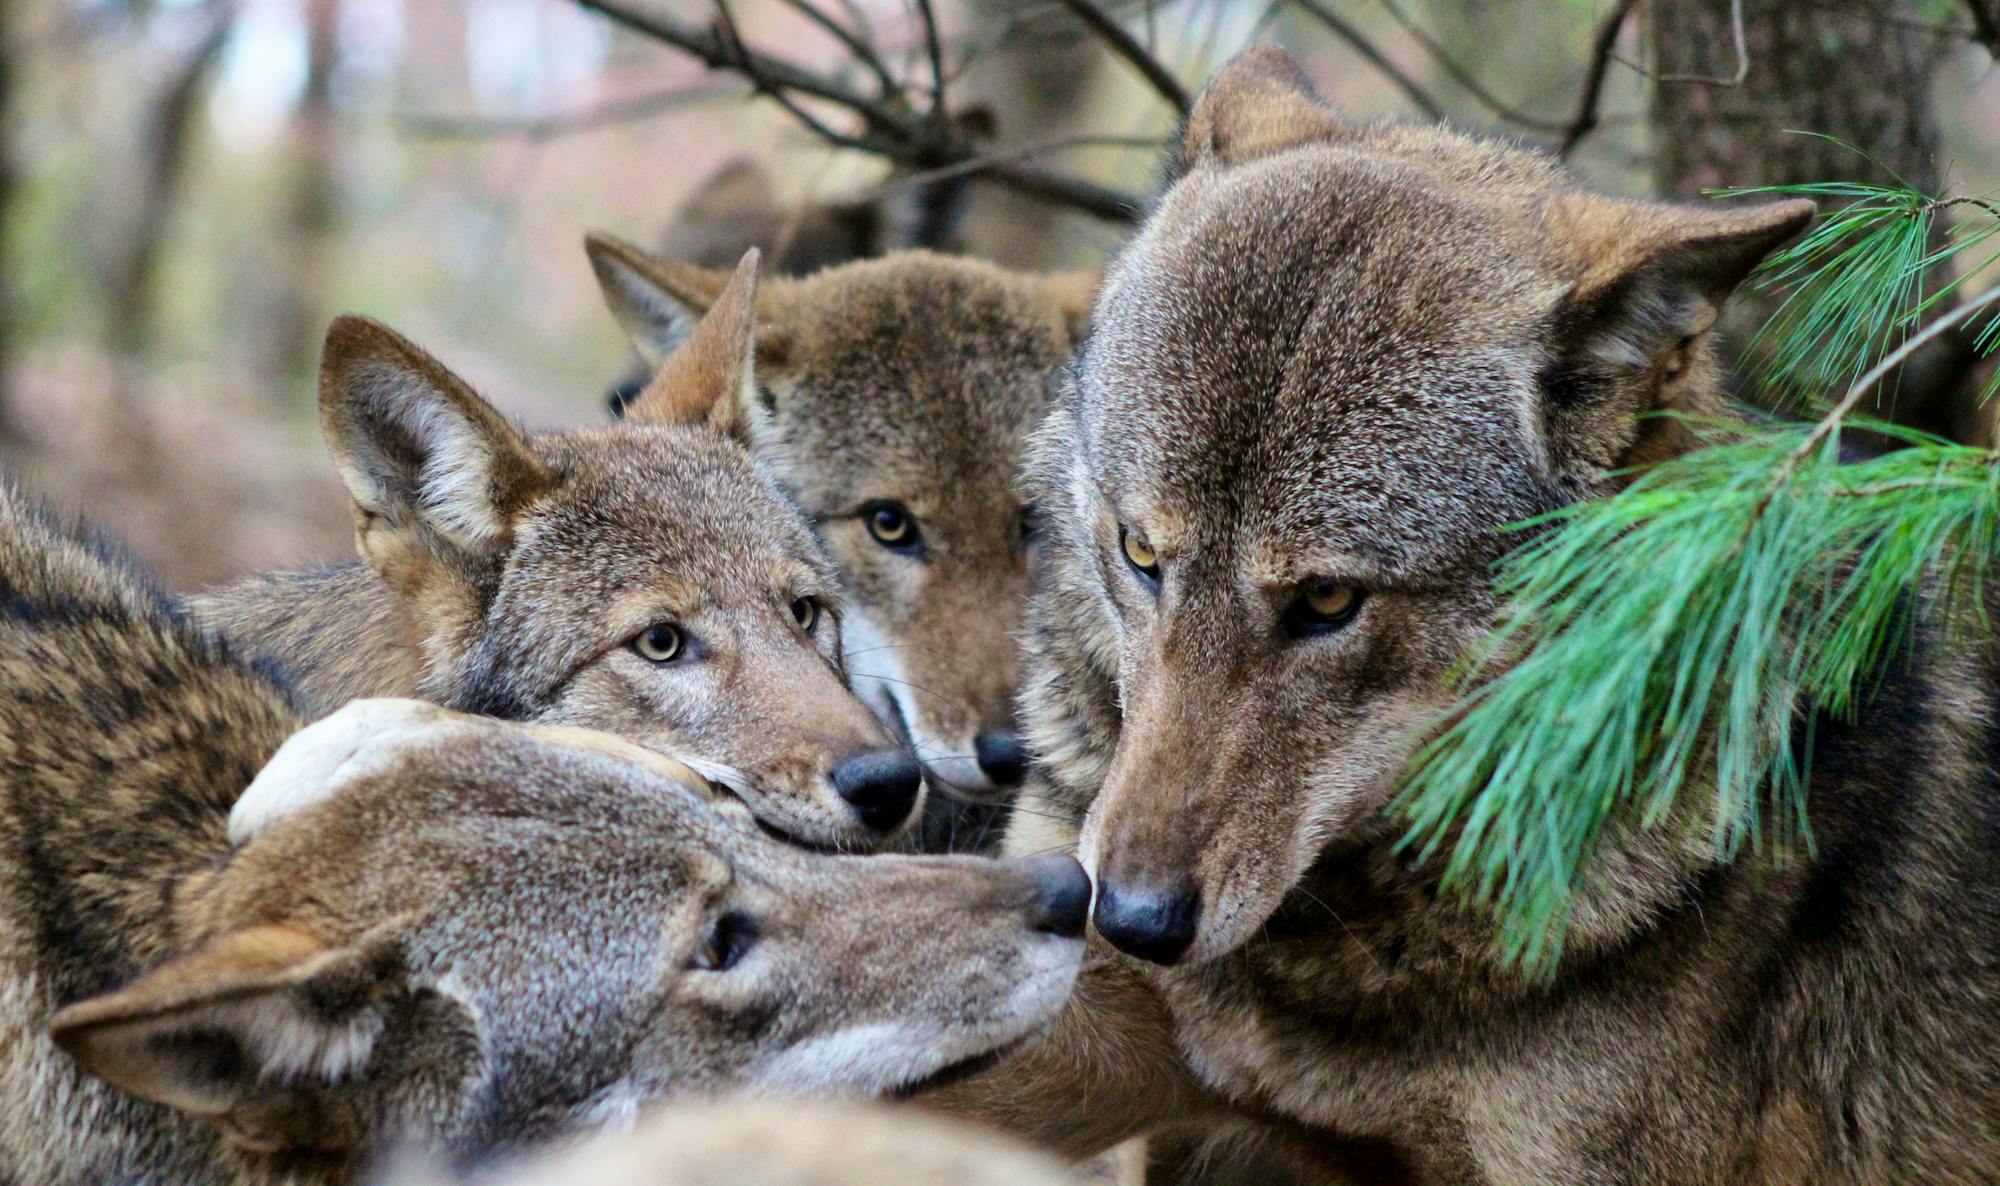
(189,189)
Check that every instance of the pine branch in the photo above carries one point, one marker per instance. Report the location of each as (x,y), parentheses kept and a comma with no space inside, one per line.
(1661,648)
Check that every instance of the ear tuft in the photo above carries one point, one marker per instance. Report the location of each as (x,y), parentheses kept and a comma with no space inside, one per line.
(415,445)
(260,1006)
(711,377)
(1259,103)
(320,758)
(657,302)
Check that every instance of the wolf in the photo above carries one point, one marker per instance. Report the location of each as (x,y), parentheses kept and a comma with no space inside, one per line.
(1330,366)
(756,1142)
(640,578)
(894,400)
(237,952)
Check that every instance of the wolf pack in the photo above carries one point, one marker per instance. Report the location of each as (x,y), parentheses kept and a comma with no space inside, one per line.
(940,734)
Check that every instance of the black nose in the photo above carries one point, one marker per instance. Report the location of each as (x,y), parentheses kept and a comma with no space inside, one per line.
(1061,901)
(882,784)
(1001,756)
(1148,921)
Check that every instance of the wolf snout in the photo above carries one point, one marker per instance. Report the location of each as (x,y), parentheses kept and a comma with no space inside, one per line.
(1002,757)
(1154,921)
(1059,903)
(882,785)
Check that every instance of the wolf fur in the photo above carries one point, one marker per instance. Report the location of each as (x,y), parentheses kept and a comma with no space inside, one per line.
(216,975)
(908,384)
(516,575)
(1336,360)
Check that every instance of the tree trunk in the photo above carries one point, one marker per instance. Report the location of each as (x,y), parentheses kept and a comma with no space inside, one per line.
(10,428)
(315,205)
(1858,71)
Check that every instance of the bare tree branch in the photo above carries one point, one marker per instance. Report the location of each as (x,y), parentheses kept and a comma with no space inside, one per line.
(1344,29)
(856,40)
(934,51)
(1602,53)
(470,127)
(1127,47)
(1465,79)
(892,129)
(1742,55)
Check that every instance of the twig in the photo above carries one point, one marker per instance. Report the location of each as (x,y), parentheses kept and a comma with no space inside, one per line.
(1742,56)
(894,131)
(1127,47)
(1342,28)
(468,127)
(1602,45)
(857,43)
(1465,78)
(934,51)
(752,70)
(987,160)
(1829,423)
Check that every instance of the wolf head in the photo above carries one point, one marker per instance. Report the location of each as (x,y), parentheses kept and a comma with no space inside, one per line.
(895,397)
(470,934)
(641,578)
(1332,365)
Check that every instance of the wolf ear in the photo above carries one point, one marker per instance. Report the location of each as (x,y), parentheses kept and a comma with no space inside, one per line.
(658,302)
(434,470)
(1631,333)
(1259,103)
(709,376)
(256,1008)
(1073,294)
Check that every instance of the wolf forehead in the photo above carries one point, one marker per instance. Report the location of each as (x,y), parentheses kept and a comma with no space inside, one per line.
(637,499)
(1356,345)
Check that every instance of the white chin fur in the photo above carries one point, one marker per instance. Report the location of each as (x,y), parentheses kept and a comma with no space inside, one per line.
(319,758)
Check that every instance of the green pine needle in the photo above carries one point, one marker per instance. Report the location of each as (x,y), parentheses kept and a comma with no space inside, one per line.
(1856,284)
(1681,631)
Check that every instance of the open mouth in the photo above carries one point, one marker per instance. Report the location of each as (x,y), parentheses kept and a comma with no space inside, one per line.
(954,1072)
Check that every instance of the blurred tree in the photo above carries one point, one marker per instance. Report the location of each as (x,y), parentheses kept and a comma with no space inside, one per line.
(163,158)
(313,213)
(8,183)
(1736,82)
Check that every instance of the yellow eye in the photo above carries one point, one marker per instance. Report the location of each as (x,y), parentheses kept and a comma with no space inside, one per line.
(890,525)
(805,611)
(1321,607)
(1329,600)
(1139,554)
(660,643)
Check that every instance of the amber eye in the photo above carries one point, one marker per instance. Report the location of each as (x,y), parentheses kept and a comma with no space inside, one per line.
(1140,555)
(661,642)
(1322,606)
(890,525)
(726,943)
(805,611)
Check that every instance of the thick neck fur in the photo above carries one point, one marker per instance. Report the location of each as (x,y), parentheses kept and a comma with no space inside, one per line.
(342,631)
(126,735)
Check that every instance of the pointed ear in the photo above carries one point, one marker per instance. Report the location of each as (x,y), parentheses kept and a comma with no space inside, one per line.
(1073,294)
(657,302)
(711,377)
(1259,103)
(1631,334)
(263,1006)
(426,460)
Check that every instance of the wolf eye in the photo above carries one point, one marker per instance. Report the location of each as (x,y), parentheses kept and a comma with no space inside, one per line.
(1140,555)
(805,611)
(661,642)
(891,526)
(728,939)
(1322,606)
